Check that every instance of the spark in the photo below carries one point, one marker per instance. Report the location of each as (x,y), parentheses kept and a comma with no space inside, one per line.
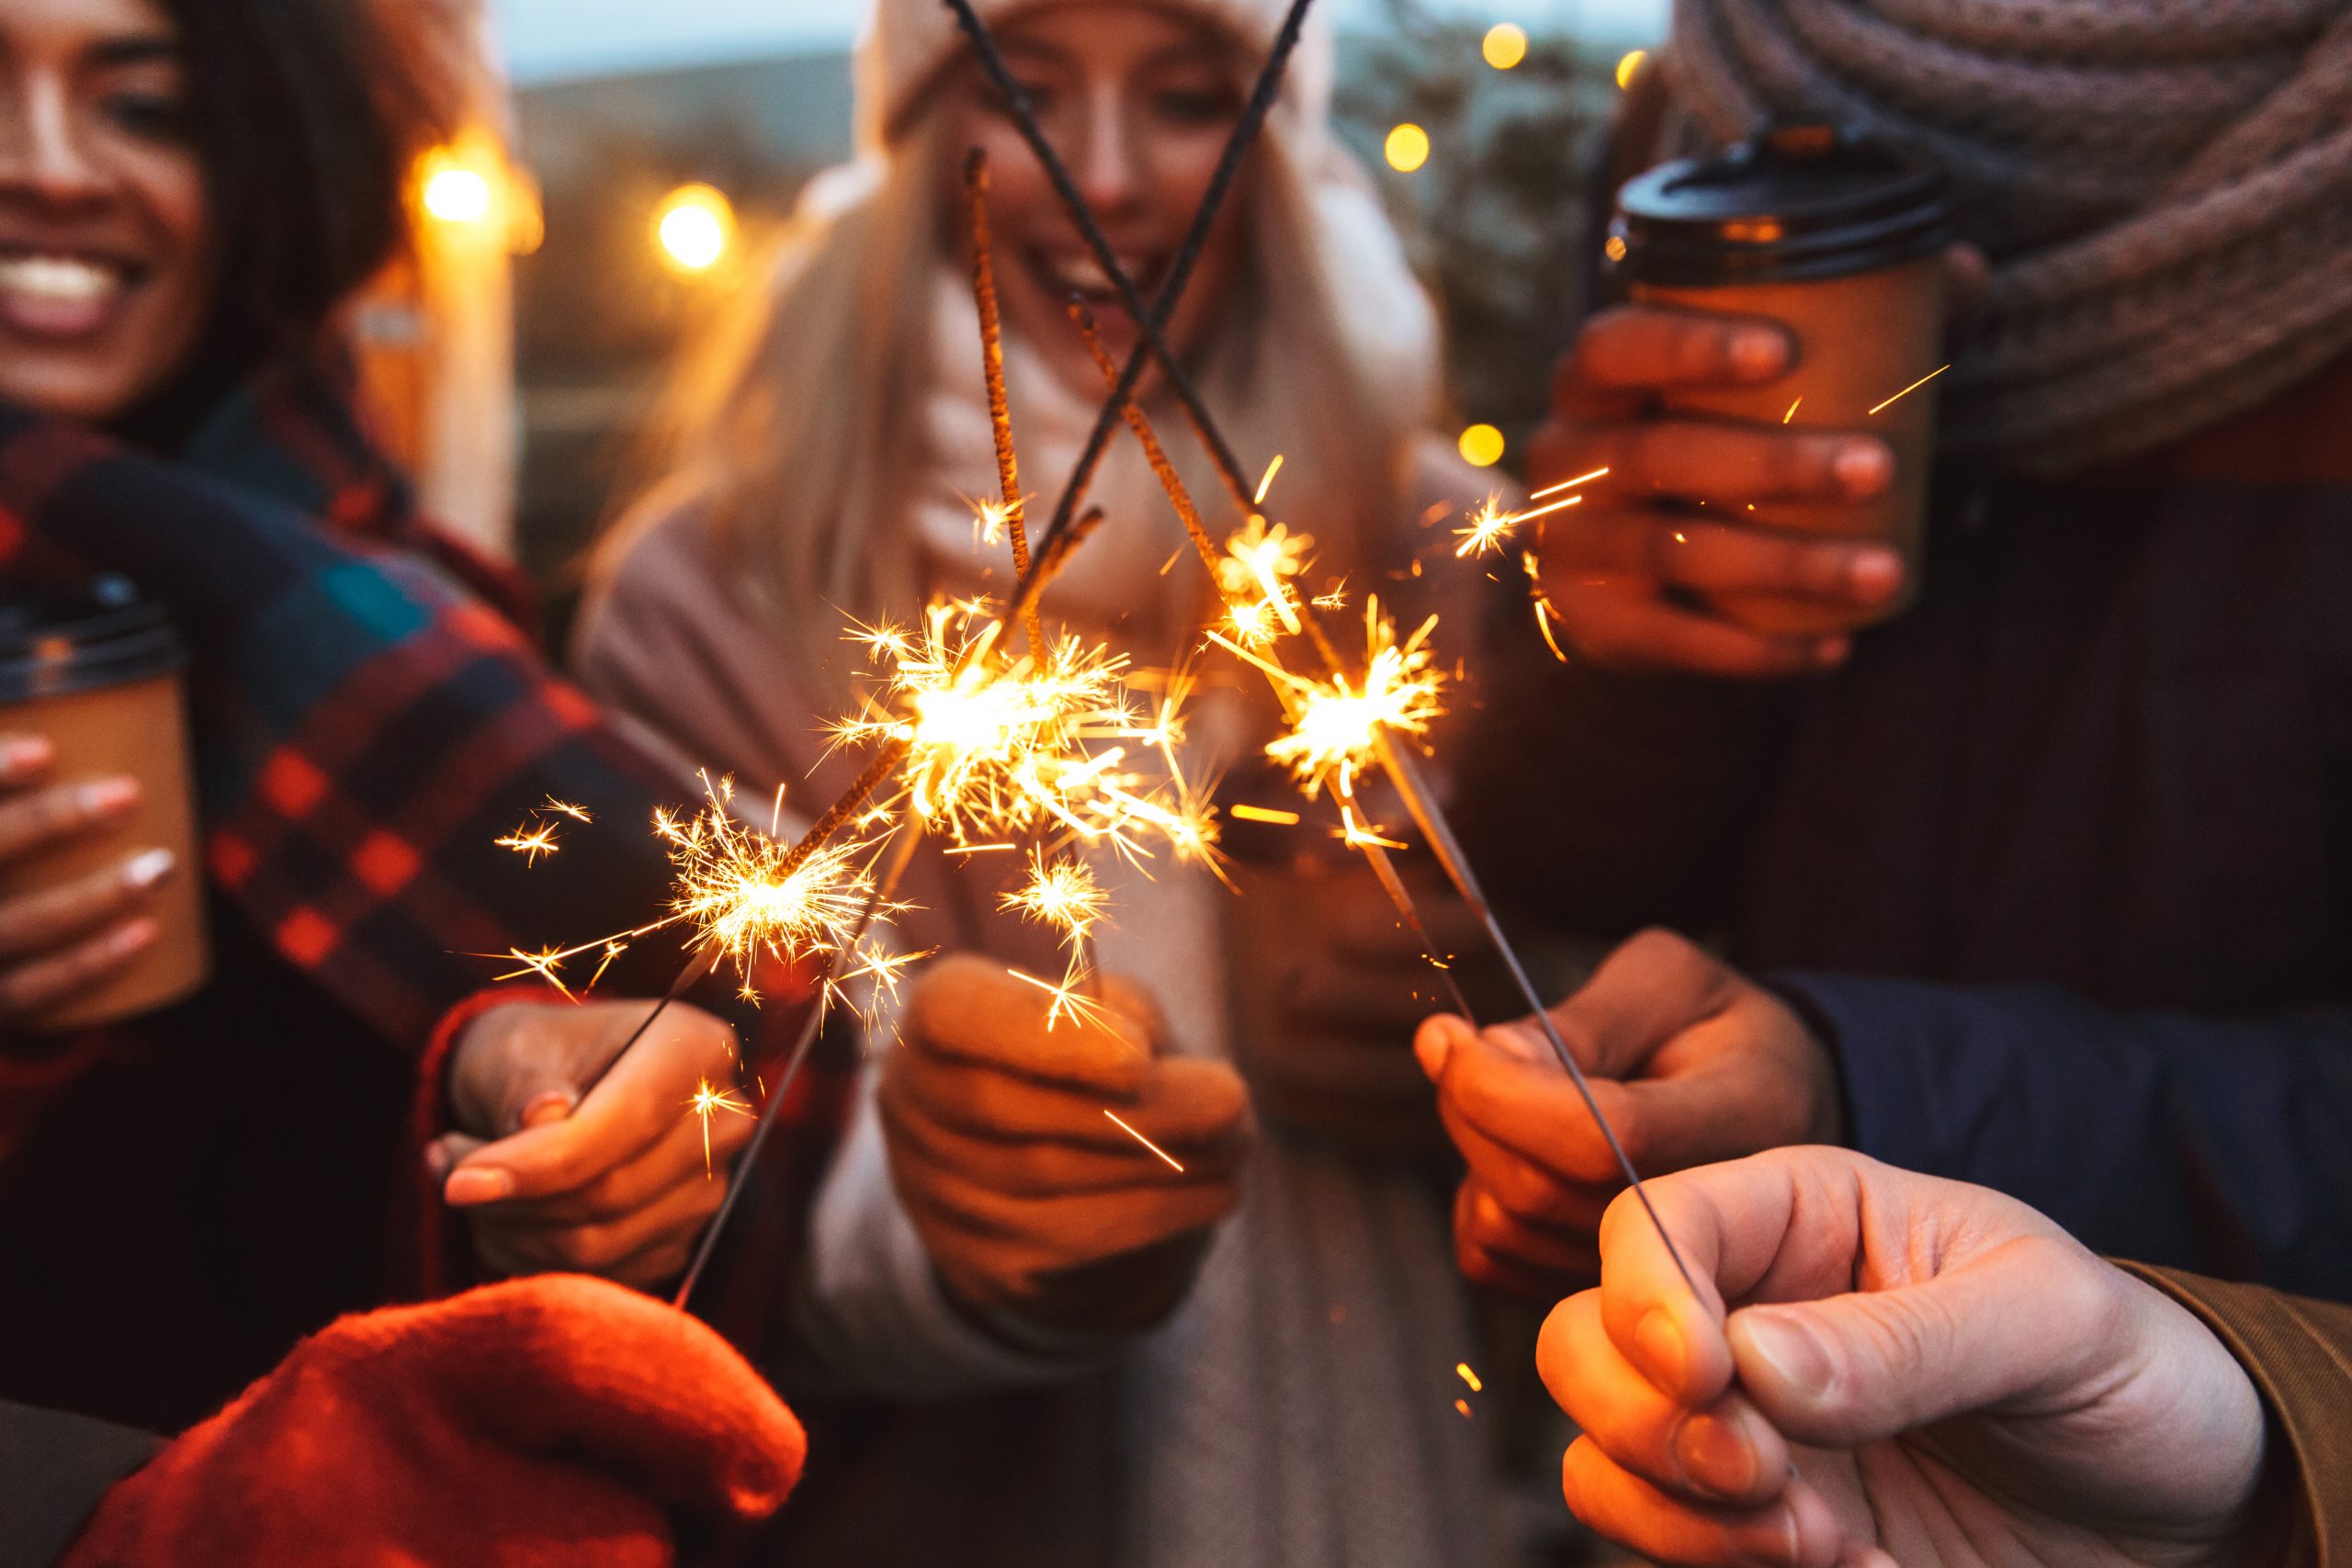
(751,895)
(1267,483)
(1463,1406)
(988,520)
(1001,747)
(1492,524)
(1264,814)
(1070,1002)
(1913,387)
(545,964)
(564,808)
(709,1101)
(1792,411)
(1569,484)
(1362,836)
(1462,1368)
(1488,526)
(1264,558)
(1338,723)
(531,841)
(1146,1143)
(1060,893)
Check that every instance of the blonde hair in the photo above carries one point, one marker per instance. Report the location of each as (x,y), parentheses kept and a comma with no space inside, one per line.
(790,439)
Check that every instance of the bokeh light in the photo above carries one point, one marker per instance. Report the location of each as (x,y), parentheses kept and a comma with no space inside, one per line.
(1505,45)
(1481,446)
(457,195)
(1407,148)
(695,227)
(1631,65)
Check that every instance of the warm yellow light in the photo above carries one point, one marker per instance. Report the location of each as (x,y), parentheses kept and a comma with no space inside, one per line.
(1505,45)
(695,226)
(1482,446)
(1407,148)
(1629,65)
(457,195)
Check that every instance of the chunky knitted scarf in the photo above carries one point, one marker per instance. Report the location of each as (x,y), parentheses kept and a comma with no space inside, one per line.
(2164,188)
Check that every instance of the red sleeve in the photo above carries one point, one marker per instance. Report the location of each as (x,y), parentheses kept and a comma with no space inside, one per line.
(439,1258)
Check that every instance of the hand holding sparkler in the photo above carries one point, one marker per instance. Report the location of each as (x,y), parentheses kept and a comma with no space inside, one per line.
(1917,1367)
(611,1179)
(1690,1061)
(1061,1169)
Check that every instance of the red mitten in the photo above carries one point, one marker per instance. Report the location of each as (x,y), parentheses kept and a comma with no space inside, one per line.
(551,1421)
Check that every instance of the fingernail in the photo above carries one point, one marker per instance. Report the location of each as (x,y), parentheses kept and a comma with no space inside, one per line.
(141,872)
(1716,1454)
(553,1106)
(1863,468)
(1831,651)
(476,1184)
(1876,575)
(1758,351)
(23,753)
(132,936)
(1788,1353)
(106,796)
(1664,1357)
(437,1161)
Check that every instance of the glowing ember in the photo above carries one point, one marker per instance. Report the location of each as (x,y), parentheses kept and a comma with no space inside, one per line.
(1262,559)
(1339,722)
(1913,387)
(530,842)
(1062,894)
(709,1101)
(751,895)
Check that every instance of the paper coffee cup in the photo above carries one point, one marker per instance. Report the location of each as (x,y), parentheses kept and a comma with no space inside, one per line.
(98,672)
(1841,242)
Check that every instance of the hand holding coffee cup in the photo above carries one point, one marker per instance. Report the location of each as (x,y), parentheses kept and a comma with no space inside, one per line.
(1767,470)
(101,907)
(60,941)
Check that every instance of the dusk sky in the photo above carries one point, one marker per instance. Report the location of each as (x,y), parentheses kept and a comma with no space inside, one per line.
(548,40)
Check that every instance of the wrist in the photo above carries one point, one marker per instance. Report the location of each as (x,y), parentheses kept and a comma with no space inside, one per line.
(1832,1118)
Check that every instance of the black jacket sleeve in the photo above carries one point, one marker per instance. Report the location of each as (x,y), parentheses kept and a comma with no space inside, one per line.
(53,1470)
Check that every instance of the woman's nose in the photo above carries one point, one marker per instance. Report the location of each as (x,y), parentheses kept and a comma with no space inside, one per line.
(42,152)
(1109,168)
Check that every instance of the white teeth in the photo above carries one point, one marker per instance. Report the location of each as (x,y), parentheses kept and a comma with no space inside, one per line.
(1085,275)
(66,279)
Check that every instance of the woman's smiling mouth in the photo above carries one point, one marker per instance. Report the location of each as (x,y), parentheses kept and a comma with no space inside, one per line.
(62,295)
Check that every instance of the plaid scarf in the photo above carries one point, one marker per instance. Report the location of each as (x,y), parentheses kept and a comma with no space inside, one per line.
(365,726)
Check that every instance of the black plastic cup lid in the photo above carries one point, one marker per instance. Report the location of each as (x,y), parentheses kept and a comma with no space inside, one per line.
(82,636)
(1793,202)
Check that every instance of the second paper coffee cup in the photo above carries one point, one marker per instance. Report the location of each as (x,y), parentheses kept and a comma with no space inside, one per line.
(1841,242)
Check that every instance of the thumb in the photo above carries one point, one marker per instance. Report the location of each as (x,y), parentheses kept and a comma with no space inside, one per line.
(1856,1369)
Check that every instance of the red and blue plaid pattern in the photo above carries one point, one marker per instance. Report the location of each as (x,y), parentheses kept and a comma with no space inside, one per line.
(366,725)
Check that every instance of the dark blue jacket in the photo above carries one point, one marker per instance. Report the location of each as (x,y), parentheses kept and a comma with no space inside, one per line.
(2061,862)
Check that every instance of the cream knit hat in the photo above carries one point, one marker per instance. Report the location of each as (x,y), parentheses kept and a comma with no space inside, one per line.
(904,44)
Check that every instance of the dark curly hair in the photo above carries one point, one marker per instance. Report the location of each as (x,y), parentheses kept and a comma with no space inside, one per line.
(307,117)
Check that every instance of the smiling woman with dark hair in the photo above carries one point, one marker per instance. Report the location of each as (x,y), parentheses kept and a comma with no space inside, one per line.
(188,193)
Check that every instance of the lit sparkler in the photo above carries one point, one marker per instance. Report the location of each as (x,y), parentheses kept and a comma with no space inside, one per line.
(531,841)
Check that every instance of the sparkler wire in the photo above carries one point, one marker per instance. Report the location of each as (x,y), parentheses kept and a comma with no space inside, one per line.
(901,854)
(1418,800)
(1008,461)
(1148,318)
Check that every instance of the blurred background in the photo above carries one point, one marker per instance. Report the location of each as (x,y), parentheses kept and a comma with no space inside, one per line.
(652,150)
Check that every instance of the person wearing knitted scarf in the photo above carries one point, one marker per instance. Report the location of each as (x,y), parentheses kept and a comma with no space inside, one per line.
(1041,1343)
(2040,883)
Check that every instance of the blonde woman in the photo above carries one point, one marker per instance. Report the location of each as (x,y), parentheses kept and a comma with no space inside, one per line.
(1092,1356)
